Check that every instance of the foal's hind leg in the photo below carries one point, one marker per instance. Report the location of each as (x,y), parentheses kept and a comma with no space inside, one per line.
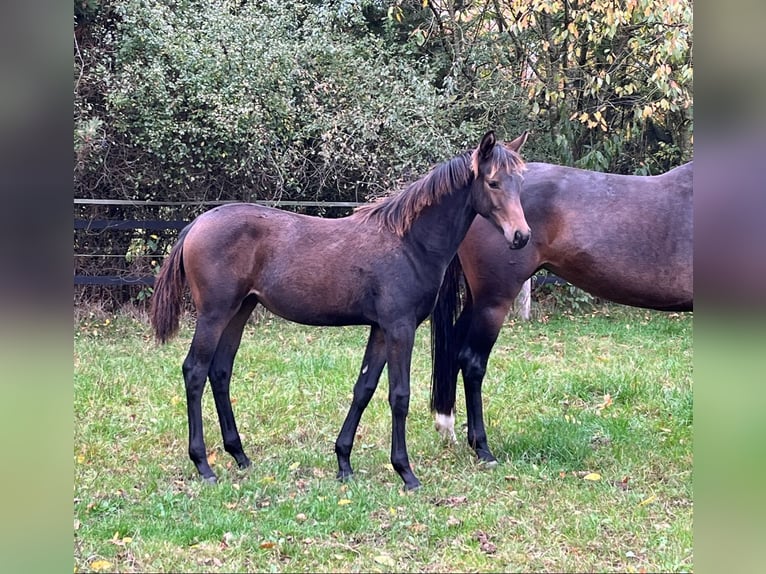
(220,379)
(372,365)
(474,354)
(195,370)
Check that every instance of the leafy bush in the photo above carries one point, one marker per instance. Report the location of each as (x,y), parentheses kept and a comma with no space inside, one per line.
(289,100)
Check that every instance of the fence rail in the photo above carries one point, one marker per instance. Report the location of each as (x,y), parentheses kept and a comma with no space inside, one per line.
(109,225)
(131,279)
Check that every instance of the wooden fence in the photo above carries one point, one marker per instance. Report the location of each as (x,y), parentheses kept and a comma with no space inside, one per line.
(97,225)
(128,279)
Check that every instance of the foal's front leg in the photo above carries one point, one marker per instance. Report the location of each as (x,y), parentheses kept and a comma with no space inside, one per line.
(366,383)
(400,340)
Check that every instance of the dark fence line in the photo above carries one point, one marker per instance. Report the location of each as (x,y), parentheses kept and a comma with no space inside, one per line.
(121,224)
(266,202)
(103,225)
(162,225)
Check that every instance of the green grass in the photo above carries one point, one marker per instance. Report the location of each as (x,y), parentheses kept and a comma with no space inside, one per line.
(139,507)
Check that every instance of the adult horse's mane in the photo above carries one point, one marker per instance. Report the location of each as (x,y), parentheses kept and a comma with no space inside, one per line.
(397,212)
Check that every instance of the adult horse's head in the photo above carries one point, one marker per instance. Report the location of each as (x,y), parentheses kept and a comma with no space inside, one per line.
(496,187)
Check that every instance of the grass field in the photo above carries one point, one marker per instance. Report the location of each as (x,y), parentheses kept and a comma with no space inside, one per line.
(589,414)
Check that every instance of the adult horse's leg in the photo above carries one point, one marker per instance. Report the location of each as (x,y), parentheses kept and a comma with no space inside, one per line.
(483,331)
(195,369)
(369,374)
(220,379)
(400,339)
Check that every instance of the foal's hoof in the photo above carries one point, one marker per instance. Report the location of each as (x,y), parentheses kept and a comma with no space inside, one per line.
(488,464)
(210,479)
(413,486)
(486,457)
(344,476)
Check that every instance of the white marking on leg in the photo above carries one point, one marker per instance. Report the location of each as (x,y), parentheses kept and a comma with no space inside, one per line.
(445,425)
(364,369)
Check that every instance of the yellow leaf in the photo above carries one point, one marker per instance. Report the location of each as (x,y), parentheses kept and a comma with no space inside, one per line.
(211,458)
(649,500)
(592,476)
(386,560)
(294,466)
(267,479)
(344,501)
(80,459)
(100,565)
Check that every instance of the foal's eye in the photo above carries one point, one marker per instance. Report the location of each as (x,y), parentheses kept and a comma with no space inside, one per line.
(494,184)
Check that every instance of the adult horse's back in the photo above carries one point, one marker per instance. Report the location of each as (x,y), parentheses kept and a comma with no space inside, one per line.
(627,239)
(381,266)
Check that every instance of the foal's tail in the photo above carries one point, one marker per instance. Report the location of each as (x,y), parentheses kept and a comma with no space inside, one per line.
(168,293)
(446,340)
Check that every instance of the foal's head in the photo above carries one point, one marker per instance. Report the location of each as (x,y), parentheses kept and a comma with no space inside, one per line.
(496,187)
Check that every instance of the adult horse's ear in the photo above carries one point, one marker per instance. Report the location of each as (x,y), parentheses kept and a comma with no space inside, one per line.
(516,144)
(487,145)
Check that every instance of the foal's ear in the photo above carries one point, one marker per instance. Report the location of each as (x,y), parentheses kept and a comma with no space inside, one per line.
(516,144)
(487,145)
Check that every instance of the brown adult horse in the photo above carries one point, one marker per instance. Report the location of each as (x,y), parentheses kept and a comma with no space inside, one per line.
(627,239)
(381,266)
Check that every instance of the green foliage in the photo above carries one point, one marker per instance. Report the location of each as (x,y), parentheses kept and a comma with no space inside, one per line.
(566,298)
(272,100)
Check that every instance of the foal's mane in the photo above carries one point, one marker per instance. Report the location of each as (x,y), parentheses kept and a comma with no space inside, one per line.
(397,212)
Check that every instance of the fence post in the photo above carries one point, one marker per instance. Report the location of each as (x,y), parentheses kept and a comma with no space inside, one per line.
(522,304)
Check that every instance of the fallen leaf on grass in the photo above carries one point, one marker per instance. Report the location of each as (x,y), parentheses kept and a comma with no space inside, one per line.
(227,539)
(386,560)
(100,565)
(451,501)
(343,502)
(592,476)
(607,402)
(117,541)
(211,458)
(484,544)
(452,521)
(649,500)
(621,484)
(268,544)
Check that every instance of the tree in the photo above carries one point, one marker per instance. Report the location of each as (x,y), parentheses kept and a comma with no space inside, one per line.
(611,80)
